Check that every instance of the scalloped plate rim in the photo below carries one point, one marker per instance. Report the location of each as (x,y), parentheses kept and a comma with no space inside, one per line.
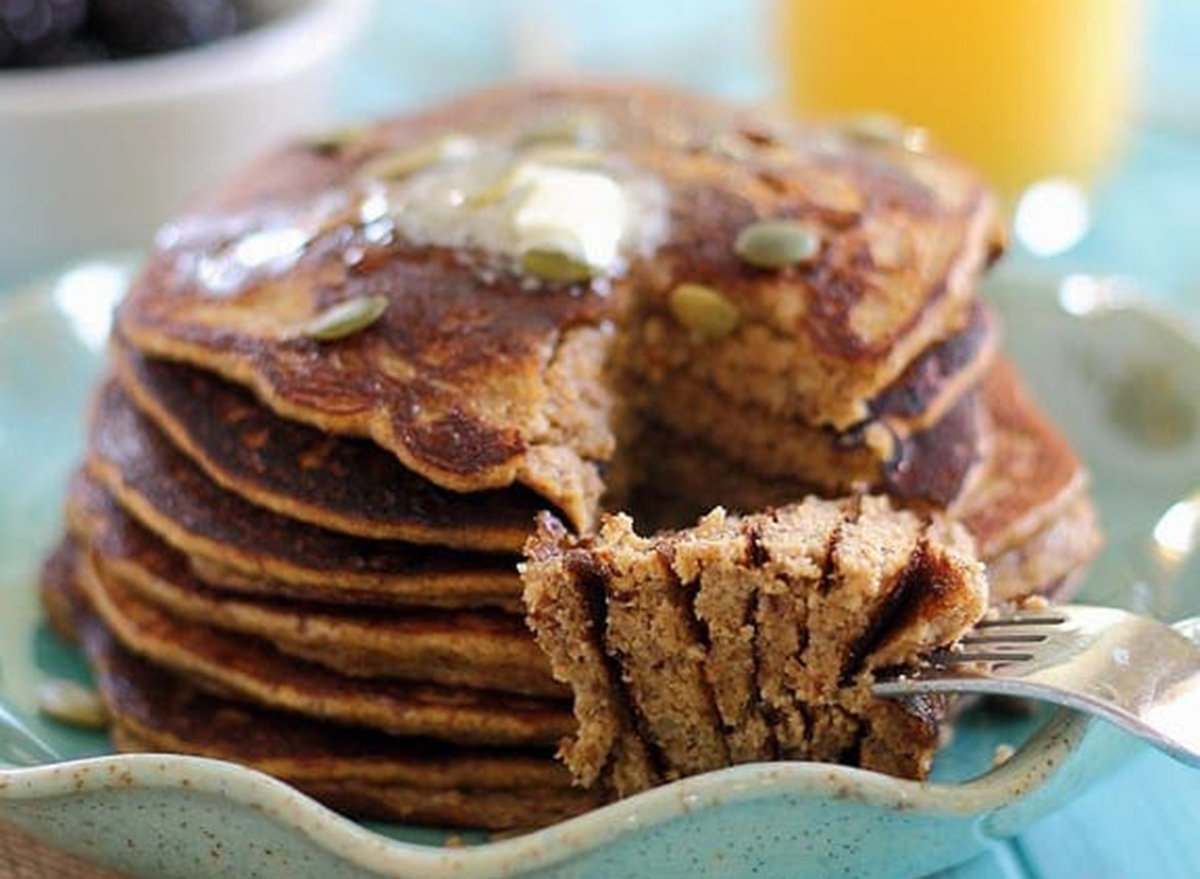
(1000,787)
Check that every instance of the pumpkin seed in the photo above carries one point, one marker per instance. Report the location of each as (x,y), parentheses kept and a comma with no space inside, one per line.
(401,163)
(346,318)
(555,265)
(335,139)
(704,311)
(885,129)
(568,127)
(72,703)
(775,244)
(568,155)
(498,189)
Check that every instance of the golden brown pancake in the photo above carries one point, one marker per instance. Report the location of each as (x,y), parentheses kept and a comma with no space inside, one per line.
(476,382)
(685,474)
(364,773)
(920,443)
(1030,475)
(253,671)
(125,543)
(1053,560)
(164,490)
(341,483)
(939,377)
(351,376)
(488,650)
(484,649)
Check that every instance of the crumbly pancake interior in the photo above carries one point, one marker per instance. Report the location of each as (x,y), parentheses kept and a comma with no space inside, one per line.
(746,639)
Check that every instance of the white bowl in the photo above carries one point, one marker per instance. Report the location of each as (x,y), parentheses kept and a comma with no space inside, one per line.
(97,156)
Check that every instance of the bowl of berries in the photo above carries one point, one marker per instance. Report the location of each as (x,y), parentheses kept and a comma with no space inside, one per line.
(116,113)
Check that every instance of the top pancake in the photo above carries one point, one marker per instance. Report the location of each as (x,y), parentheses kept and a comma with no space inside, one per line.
(475,381)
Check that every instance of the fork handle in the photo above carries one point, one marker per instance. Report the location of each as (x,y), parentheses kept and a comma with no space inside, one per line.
(1172,730)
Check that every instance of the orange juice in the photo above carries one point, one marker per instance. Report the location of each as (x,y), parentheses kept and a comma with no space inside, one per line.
(1025,89)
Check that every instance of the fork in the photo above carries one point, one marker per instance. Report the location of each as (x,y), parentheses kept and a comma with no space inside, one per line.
(1138,673)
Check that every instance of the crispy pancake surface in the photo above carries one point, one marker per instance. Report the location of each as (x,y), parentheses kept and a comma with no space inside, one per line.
(478,648)
(171,496)
(1029,477)
(257,673)
(358,771)
(93,513)
(475,381)
(344,484)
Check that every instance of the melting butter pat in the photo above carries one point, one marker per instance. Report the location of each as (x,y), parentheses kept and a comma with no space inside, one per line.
(583,214)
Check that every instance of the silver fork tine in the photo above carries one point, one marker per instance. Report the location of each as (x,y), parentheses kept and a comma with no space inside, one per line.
(1020,619)
(1138,673)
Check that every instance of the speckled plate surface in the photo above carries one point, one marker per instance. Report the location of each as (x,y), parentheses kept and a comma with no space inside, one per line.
(1122,380)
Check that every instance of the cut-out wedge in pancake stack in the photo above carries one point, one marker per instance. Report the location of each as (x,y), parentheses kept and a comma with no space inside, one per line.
(346,386)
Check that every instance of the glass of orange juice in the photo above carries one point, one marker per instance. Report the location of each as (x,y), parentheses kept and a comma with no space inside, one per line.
(1025,89)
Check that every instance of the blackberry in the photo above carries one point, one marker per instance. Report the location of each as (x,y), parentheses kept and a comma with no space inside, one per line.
(29,28)
(142,27)
(63,53)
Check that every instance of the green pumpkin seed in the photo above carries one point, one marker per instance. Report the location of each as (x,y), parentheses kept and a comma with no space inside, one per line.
(495,191)
(776,244)
(401,163)
(704,311)
(72,703)
(346,318)
(567,155)
(335,139)
(581,128)
(555,265)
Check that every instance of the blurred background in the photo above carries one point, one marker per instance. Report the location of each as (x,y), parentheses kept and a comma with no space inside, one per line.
(1101,94)
(1085,114)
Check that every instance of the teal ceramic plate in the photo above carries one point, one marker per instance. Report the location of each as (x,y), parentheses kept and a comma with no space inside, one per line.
(1124,383)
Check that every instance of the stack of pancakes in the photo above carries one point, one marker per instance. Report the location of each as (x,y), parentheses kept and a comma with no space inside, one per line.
(298,548)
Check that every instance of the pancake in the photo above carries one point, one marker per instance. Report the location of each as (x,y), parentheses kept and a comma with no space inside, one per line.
(1052,561)
(684,474)
(939,377)
(477,376)
(1024,499)
(469,806)
(255,672)
(928,464)
(662,638)
(1030,476)
(343,484)
(477,649)
(363,773)
(172,497)
(483,649)
(124,542)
